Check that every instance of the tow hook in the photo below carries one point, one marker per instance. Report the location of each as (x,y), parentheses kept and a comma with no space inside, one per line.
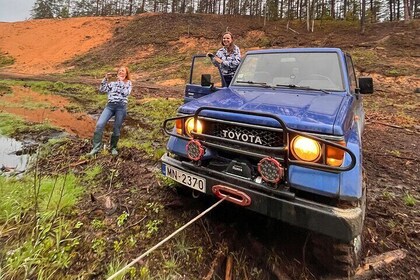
(232,195)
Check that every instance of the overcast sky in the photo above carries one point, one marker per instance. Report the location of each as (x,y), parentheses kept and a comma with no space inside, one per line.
(15,10)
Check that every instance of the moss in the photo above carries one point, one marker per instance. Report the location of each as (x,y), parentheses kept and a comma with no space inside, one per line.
(6,60)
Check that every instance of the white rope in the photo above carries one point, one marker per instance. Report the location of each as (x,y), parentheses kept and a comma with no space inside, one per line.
(166,239)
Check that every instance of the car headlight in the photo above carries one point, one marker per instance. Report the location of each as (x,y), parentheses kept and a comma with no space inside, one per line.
(306,149)
(335,156)
(189,126)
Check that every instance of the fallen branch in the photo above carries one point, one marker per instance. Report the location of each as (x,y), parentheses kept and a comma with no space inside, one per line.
(78,163)
(229,267)
(390,155)
(394,126)
(138,222)
(388,124)
(288,28)
(376,262)
(217,261)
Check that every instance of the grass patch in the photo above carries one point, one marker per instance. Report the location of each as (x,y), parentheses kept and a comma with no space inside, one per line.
(115,266)
(5,89)
(365,58)
(6,60)
(35,207)
(89,70)
(165,65)
(159,61)
(85,97)
(52,195)
(11,125)
(46,87)
(409,200)
(92,172)
(149,137)
(28,104)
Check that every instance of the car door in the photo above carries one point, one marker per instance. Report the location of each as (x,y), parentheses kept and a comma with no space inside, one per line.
(358,111)
(205,78)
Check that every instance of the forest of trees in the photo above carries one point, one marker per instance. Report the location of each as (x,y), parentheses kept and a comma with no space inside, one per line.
(365,10)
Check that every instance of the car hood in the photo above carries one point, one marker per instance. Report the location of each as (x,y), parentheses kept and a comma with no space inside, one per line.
(306,110)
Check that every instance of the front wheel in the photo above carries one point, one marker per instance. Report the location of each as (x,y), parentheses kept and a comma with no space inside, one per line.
(339,257)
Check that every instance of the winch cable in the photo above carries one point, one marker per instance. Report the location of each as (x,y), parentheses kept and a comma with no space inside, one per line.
(166,239)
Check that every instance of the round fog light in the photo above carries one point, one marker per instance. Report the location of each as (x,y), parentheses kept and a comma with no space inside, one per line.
(195,150)
(270,170)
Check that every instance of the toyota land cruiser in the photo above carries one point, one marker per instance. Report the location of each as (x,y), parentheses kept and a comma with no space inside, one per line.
(283,139)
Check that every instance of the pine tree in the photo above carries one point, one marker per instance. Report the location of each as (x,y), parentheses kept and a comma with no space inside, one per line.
(42,9)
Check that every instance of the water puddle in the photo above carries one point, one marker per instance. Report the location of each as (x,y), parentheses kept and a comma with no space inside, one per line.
(12,160)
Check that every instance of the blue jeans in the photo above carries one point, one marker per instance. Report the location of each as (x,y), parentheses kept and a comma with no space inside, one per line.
(228,79)
(119,110)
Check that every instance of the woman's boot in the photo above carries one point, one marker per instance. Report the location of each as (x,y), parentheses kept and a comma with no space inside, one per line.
(114,142)
(97,143)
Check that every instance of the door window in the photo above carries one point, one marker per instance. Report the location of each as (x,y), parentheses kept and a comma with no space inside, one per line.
(203,65)
(352,75)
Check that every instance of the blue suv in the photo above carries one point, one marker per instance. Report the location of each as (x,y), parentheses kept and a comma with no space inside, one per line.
(283,139)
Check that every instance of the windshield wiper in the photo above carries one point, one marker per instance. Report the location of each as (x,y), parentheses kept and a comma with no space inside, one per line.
(255,83)
(306,88)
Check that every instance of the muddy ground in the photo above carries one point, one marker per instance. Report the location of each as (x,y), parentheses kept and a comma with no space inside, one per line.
(262,248)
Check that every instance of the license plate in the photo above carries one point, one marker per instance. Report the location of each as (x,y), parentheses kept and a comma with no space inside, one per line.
(187,179)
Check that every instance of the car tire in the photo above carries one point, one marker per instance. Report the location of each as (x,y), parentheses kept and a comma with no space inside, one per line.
(338,257)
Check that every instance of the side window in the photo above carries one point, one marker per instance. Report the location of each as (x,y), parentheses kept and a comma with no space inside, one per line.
(352,75)
(203,65)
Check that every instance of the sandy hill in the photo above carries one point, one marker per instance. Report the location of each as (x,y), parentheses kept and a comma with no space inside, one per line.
(40,46)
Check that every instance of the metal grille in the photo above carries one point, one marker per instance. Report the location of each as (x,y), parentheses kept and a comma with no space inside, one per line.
(261,137)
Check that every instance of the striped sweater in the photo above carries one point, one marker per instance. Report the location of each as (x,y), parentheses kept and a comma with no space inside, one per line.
(118,91)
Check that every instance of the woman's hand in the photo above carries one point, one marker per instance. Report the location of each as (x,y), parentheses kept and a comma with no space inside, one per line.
(108,75)
(218,59)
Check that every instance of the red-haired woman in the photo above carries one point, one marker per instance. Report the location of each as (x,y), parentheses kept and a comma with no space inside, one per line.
(118,93)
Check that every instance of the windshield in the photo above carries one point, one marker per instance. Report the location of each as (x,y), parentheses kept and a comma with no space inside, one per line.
(310,70)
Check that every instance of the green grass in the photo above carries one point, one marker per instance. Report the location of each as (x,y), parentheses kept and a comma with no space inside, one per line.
(51,195)
(47,87)
(28,104)
(115,265)
(11,125)
(41,241)
(149,137)
(92,171)
(5,89)
(363,57)
(92,71)
(84,97)
(6,60)
(166,66)
(409,200)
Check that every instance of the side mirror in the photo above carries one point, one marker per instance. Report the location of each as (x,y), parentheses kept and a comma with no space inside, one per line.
(365,85)
(206,80)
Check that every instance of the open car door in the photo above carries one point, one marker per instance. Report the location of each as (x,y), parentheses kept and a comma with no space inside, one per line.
(205,78)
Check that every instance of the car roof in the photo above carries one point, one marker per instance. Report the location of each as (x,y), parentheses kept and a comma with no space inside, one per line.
(301,50)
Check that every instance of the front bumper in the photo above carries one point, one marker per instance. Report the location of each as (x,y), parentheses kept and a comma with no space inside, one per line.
(343,224)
